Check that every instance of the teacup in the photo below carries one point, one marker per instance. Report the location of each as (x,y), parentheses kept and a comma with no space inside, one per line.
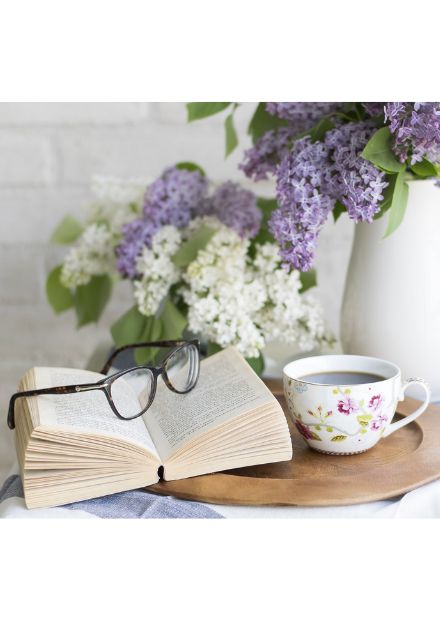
(344,404)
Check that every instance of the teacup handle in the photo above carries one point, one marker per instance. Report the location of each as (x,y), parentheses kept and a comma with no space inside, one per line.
(399,424)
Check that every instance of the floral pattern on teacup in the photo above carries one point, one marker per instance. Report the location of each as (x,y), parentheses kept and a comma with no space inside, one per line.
(376,402)
(300,387)
(306,432)
(369,413)
(347,405)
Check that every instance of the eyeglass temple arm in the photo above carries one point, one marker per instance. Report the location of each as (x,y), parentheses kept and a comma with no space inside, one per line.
(73,388)
(146,344)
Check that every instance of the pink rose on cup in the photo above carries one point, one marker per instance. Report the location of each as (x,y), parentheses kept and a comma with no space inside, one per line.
(375,402)
(379,422)
(347,406)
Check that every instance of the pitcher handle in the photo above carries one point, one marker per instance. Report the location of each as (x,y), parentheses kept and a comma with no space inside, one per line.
(399,424)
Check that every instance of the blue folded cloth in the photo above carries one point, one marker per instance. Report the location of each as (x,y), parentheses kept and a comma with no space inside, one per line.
(130,504)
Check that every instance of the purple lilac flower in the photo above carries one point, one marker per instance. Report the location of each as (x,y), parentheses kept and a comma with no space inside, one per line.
(353,180)
(311,177)
(303,202)
(170,200)
(234,207)
(416,130)
(136,235)
(302,115)
(263,158)
(173,196)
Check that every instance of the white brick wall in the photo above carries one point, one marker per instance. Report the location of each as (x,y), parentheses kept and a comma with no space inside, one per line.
(26,159)
(47,154)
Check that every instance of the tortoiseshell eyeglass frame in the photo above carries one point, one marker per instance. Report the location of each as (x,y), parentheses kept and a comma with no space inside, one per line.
(106,383)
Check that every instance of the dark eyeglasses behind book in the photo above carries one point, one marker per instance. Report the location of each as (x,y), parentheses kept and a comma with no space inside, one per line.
(131,392)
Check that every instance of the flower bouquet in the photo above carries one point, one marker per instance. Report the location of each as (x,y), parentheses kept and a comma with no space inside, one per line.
(200,259)
(334,157)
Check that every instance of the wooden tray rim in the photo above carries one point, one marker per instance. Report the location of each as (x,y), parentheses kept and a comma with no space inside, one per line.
(221,489)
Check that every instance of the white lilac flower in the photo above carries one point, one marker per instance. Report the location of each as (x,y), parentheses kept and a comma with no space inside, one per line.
(118,191)
(233,300)
(221,295)
(117,201)
(287,314)
(91,256)
(157,270)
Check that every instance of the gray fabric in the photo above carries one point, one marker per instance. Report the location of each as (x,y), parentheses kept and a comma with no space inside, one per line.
(130,504)
(12,487)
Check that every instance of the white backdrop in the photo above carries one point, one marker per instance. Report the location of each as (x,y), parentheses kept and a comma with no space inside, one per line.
(48,153)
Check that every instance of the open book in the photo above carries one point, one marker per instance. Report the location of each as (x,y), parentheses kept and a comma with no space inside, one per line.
(73,447)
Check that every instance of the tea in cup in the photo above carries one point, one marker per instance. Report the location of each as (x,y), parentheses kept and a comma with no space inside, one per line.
(344,404)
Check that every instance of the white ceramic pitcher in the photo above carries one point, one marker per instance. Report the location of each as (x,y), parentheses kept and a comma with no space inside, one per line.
(391,306)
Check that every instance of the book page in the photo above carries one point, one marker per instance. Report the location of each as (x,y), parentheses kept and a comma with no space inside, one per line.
(87,412)
(227,388)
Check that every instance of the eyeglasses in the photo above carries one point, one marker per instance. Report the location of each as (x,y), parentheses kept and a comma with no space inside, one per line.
(131,392)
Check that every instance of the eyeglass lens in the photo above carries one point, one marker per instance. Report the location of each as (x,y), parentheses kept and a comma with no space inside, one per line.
(182,367)
(131,392)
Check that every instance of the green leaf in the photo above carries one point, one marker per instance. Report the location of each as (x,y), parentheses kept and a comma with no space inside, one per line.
(378,151)
(424,169)
(67,231)
(338,438)
(213,348)
(387,196)
(189,249)
(201,110)
(319,131)
(173,321)
(59,297)
(398,204)
(262,122)
(257,364)
(230,134)
(315,436)
(152,332)
(190,166)
(364,420)
(89,300)
(308,280)
(338,209)
(134,327)
(128,328)
(267,206)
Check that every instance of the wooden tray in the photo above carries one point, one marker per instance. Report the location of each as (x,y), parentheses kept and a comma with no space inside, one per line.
(408,458)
